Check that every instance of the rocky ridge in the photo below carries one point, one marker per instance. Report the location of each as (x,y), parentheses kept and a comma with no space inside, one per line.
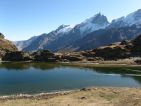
(114,51)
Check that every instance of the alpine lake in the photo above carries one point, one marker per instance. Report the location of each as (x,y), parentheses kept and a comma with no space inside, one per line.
(32,78)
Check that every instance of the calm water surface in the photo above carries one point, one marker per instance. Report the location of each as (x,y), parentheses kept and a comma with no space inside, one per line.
(16,78)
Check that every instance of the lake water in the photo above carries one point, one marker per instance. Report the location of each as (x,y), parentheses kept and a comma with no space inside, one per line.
(32,78)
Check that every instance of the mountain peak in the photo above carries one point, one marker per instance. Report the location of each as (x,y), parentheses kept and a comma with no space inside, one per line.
(98,14)
(94,23)
(139,10)
(134,18)
(137,14)
(62,26)
(98,19)
(131,19)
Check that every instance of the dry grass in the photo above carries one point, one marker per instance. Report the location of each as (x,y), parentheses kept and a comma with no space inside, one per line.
(6,45)
(88,97)
(129,62)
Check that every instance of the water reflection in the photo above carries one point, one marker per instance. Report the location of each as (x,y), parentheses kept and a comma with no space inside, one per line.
(26,65)
(45,77)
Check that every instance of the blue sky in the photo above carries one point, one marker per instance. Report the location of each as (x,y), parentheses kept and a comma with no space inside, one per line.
(22,19)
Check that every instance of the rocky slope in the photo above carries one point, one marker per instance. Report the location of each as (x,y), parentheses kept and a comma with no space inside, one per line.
(106,36)
(5,45)
(119,50)
(115,51)
(92,33)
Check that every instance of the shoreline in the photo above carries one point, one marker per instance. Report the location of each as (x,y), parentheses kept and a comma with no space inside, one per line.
(93,96)
(122,62)
(56,93)
(89,96)
(36,95)
(99,64)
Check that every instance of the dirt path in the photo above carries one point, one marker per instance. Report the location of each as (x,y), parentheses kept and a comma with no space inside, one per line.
(84,97)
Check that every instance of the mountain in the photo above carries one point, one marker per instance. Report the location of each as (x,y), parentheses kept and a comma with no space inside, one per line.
(99,21)
(23,44)
(118,50)
(106,36)
(126,49)
(92,33)
(46,39)
(131,19)
(64,35)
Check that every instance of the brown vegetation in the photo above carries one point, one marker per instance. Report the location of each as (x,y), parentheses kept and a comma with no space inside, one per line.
(84,97)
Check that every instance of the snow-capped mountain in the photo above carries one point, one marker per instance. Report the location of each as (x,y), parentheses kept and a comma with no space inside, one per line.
(64,29)
(47,37)
(131,19)
(99,21)
(66,36)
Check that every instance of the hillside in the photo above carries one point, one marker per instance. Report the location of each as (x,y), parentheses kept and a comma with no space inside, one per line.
(106,36)
(118,50)
(127,49)
(5,45)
